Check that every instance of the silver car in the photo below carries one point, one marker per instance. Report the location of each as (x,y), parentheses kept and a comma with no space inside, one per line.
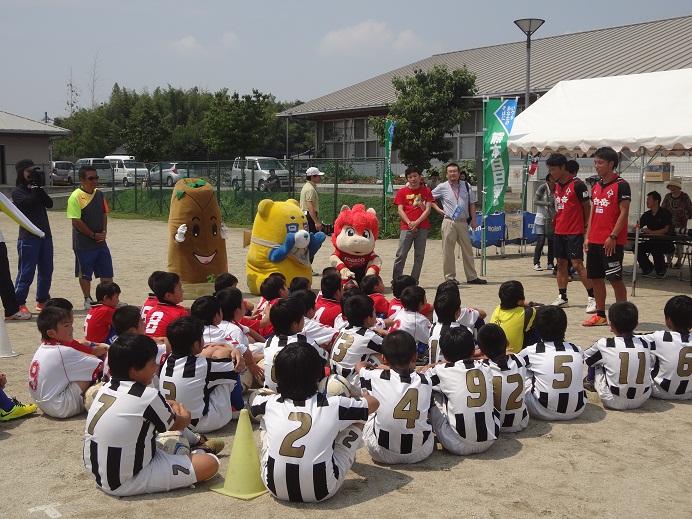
(127,172)
(62,172)
(169,173)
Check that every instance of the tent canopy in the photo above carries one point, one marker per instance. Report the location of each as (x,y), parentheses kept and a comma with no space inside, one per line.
(651,111)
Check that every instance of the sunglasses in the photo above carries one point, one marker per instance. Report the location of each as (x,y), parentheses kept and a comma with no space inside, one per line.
(91,179)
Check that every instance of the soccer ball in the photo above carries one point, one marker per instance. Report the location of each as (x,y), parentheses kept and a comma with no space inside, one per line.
(251,398)
(337,385)
(91,394)
(173,442)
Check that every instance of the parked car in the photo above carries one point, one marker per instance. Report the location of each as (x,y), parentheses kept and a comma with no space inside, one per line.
(269,173)
(62,172)
(169,173)
(127,172)
(103,168)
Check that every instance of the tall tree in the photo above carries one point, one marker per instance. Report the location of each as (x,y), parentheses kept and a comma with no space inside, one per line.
(429,105)
(94,78)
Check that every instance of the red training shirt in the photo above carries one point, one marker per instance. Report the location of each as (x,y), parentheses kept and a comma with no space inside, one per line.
(606,210)
(569,196)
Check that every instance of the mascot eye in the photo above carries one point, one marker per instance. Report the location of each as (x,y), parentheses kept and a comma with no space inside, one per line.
(214,229)
(195,231)
(350,231)
(366,234)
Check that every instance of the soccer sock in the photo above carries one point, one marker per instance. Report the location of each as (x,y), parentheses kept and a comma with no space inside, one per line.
(601,313)
(589,292)
(190,436)
(563,293)
(591,374)
(6,403)
(237,397)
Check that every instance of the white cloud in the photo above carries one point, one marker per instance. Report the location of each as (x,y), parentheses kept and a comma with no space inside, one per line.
(369,34)
(407,41)
(189,46)
(229,40)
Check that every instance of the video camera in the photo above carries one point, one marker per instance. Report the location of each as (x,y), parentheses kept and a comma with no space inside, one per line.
(37,178)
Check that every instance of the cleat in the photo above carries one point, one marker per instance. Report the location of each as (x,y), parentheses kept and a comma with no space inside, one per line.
(591,306)
(560,302)
(210,445)
(17,411)
(589,386)
(596,320)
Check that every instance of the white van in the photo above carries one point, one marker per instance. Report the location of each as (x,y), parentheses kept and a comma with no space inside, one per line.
(119,157)
(103,169)
(127,172)
(269,174)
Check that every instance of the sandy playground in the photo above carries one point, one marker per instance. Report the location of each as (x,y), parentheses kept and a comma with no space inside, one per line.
(604,464)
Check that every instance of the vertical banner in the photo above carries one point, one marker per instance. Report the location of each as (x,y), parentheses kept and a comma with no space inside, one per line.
(388,138)
(499,119)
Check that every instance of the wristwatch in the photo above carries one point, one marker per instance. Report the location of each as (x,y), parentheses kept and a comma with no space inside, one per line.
(613,237)
(93,236)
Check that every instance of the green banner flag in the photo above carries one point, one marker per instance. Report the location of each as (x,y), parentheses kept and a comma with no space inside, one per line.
(498,123)
(388,138)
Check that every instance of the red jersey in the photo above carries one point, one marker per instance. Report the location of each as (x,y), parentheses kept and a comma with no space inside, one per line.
(80,347)
(569,196)
(269,329)
(161,316)
(326,311)
(97,324)
(381,304)
(150,303)
(352,261)
(606,210)
(253,324)
(394,306)
(414,204)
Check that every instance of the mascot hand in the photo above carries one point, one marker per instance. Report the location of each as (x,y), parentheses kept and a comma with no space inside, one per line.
(346,273)
(280,254)
(371,271)
(316,241)
(180,235)
(224,231)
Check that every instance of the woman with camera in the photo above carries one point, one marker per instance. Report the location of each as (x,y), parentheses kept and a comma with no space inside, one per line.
(33,251)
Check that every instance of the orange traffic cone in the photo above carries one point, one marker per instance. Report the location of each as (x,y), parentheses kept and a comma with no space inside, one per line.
(243,478)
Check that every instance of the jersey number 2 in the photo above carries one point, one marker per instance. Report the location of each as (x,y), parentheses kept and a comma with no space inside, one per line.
(287,448)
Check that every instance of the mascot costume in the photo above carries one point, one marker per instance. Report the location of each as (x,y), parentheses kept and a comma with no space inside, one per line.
(355,234)
(280,242)
(196,237)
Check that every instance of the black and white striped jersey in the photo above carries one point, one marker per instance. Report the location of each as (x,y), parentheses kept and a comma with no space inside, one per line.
(671,355)
(436,331)
(272,348)
(508,391)
(352,345)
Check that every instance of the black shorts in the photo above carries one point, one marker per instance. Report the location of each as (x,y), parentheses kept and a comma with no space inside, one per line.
(599,266)
(569,246)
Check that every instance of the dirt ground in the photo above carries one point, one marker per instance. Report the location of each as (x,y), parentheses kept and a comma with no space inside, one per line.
(604,464)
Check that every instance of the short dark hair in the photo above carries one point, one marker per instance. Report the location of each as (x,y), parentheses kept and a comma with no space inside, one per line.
(59,302)
(624,317)
(205,309)
(126,317)
(413,169)
(106,289)
(308,297)
(556,159)
(358,309)
(446,305)
(299,283)
(284,313)
(182,334)
(457,344)
(551,323)
(449,285)
(655,195)
(412,298)
(329,270)
(572,167)
(230,299)
(608,154)
(84,170)
(224,280)
(492,340)
(330,285)
(130,351)
(399,347)
(349,293)
(452,165)
(402,282)
(369,283)
(153,277)
(271,287)
(298,367)
(49,319)
(510,293)
(165,283)
(679,310)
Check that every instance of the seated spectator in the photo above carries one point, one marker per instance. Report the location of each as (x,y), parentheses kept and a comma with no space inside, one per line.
(654,221)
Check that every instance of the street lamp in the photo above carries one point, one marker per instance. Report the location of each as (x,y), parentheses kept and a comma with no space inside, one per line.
(528,27)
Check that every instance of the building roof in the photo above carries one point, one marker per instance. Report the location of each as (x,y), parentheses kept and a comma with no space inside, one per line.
(10,123)
(501,69)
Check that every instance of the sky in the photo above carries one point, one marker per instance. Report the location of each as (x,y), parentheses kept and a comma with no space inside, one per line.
(292,49)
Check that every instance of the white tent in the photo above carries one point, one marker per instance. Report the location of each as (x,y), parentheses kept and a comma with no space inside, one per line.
(646,114)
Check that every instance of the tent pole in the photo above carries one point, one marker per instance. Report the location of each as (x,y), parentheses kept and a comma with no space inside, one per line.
(642,188)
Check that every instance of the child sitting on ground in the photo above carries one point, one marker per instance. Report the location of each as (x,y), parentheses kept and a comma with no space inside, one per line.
(515,316)
(398,286)
(327,308)
(508,378)
(463,416)
(98,321)
(554,370)
(60,375)
(399,431)
(152,300)
(200,378)
(89,347)
(472,318)
(373,286)
(169,292)
(671,352)
(447,309)
(315,331)
(228,280)
(124,418)
(272,289)
(412,321)
(622,363)
(11,408)
(329,435)
(299,283)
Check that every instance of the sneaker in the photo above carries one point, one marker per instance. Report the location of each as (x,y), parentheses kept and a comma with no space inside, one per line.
(661,275)
(88,301)
(591,306)
(649,274)
(550,266)
(24,310)
(589,385)
(477,281)
(19,316)
(17,411)
(596,320)
(39,307)
(677,265)
(211,445)
(560,302)
(537,267)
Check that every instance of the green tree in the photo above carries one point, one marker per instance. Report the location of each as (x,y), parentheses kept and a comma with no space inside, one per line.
(145,134)
(428,106)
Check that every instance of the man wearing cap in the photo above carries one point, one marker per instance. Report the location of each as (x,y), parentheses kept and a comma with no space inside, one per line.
(33,251)
(680,206)
(309,200)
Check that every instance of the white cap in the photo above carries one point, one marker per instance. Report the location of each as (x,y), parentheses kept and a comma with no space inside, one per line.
(313,171)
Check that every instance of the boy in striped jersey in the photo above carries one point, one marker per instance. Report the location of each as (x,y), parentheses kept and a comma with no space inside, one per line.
(554,370)
(622,363)
(671,352)
(309,440)
(508,378)
(119,447)
(399,431)
(463,416)
(447,310)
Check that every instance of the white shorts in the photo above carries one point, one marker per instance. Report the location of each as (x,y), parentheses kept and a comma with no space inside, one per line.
(164,472)
(658,392)
(256,347)
(63,405)
(450,439)
(612,401)
(382,455)
(220,411)
(536,410)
